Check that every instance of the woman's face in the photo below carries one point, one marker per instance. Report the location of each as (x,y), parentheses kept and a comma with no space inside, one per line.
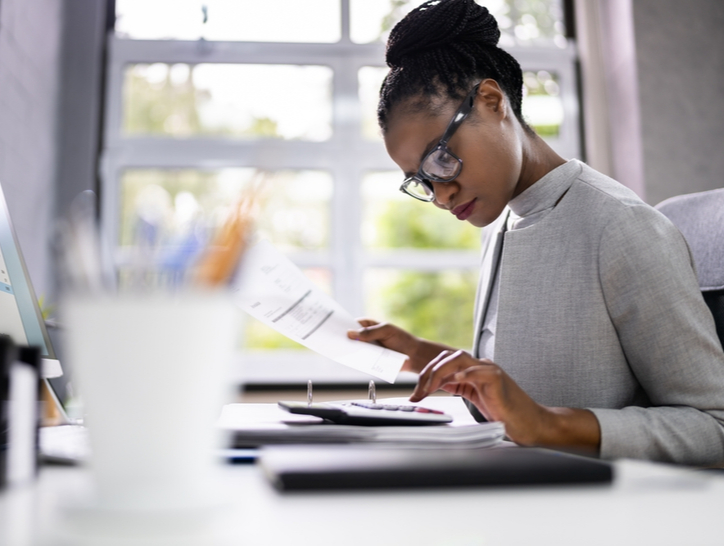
(489,142)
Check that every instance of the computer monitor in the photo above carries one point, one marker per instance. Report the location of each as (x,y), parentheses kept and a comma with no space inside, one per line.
(20,315)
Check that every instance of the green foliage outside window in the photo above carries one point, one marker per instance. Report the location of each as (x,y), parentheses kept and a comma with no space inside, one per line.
(524,21)
(164,100)
(412,224)
(160,107)
(433,305)
(436,306)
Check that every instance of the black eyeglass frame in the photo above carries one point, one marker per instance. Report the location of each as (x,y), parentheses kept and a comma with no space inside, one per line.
(423,178)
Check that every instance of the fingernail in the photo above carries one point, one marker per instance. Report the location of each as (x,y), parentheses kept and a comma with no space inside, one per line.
(353,334)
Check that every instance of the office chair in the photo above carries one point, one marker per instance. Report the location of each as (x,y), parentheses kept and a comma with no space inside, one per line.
(700,218)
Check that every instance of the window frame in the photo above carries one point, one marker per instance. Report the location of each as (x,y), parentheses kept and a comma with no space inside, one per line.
(347,156)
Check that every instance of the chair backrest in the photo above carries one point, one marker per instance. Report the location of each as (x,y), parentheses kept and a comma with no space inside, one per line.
(700,218)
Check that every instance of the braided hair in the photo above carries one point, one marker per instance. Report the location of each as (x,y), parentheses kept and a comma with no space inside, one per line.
(442,48)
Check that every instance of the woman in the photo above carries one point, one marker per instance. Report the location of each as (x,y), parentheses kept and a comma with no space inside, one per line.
(591,332)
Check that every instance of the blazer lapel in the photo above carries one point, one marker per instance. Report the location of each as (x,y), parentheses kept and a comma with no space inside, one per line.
(491,256)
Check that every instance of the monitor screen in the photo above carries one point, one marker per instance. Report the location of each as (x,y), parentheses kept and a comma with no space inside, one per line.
(20,315)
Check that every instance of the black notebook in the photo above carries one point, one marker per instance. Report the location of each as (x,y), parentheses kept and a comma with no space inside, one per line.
(347,467)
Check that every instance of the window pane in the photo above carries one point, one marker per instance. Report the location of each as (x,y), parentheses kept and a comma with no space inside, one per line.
(168,216)
(436,306)
(529,22)
(391,219)
(170,208)
(370,80)
(542,105)
(260,337)
(523,22)
(232,20)
(228,100)
(372,20)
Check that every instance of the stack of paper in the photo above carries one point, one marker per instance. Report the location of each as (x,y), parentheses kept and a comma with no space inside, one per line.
(254,425)
(480,435)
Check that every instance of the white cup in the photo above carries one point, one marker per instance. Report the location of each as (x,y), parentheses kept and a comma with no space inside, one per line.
(153,372)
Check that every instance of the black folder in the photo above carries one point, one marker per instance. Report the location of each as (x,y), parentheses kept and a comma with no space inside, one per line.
(293,468)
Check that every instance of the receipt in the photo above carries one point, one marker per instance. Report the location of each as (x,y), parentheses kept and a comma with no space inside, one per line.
(273,290)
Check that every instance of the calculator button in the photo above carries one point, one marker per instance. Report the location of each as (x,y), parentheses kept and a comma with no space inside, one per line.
(407,408)
(391,408)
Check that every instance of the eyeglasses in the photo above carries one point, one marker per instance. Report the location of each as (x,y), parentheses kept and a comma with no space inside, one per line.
(440,164)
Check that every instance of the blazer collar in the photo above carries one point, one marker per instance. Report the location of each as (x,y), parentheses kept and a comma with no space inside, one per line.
(544,194)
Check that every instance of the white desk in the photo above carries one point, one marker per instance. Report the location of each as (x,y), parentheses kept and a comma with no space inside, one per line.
(647,504)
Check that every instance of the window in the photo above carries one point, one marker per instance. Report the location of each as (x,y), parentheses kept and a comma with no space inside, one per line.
(282,94)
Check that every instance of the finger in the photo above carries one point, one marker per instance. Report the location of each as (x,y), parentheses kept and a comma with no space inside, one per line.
(468,392)
(367,322)
(427,370)
(484,383)
(479,375)
(444,370)
(432,374)
(473,383)
(419,391)
(465,390)
(441,374)
(373,332)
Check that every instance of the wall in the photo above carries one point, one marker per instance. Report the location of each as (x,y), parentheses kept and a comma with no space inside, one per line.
(680,57)
(81,88)
(29,38)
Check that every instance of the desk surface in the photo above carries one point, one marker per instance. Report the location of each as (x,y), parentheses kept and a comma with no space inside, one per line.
(647,504)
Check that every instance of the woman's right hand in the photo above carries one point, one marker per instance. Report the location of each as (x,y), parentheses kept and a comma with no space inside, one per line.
(419,351)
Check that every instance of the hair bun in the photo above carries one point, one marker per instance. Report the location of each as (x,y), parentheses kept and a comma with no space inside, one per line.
(439,23)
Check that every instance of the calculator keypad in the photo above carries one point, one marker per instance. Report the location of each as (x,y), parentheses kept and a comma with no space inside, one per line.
(369,413)
(390,407)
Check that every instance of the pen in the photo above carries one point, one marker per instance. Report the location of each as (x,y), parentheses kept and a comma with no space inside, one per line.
(223,255)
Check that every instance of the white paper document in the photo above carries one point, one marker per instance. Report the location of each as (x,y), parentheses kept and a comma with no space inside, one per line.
(273,290)
(256,425)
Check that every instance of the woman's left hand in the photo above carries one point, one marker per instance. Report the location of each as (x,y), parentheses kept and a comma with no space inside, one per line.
(499,398)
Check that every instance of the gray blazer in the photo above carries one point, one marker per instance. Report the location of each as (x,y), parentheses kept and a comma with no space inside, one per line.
(599,308)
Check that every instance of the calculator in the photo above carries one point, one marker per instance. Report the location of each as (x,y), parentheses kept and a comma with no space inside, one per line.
(369,413)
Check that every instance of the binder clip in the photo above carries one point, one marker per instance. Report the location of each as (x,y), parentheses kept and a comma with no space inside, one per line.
(372,392)
(309,392)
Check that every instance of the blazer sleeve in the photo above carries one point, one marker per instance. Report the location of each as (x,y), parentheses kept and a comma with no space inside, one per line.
(670,342)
